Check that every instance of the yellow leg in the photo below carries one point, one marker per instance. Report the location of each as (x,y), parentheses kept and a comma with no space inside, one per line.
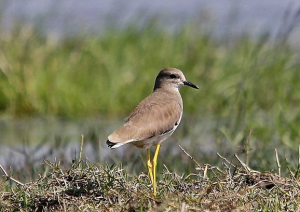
(154,163)
(149,166)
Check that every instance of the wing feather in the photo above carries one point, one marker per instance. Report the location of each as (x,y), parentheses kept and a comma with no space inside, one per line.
(156,114)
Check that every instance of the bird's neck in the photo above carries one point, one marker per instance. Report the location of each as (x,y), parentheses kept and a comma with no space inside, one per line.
(171,93)
(168,89)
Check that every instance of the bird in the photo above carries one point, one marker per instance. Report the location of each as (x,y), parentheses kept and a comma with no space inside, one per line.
(154,119)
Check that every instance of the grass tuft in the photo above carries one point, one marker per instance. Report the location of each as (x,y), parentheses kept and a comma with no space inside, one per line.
(88,186)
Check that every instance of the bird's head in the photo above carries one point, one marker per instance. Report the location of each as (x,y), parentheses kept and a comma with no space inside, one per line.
(172,78)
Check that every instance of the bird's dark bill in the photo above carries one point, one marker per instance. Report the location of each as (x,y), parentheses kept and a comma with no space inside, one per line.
(190,84)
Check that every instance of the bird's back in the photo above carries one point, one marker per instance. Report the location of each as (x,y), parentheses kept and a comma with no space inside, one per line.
(157,114)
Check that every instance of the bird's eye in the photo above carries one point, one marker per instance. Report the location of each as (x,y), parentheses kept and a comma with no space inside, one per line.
(173,76)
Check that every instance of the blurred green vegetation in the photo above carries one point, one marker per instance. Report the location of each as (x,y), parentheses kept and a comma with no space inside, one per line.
(109,74)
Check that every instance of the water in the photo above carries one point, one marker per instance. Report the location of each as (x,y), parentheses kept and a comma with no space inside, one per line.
(32,140)
(73,16)
(26,143)
(49,137)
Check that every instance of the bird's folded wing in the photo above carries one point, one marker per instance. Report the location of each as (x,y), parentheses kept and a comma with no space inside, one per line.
(149,119)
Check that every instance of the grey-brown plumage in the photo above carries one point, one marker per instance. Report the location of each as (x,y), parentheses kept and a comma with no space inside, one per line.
(157,116)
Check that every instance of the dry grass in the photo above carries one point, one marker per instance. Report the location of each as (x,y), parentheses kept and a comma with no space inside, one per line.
(92,187)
